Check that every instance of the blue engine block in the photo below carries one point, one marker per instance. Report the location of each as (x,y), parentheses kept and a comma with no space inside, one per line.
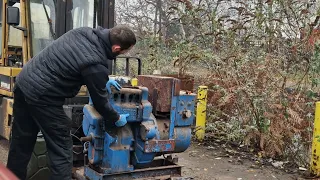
(116,150)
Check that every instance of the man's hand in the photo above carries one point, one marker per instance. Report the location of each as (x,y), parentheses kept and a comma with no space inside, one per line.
(122,120)
(113,83)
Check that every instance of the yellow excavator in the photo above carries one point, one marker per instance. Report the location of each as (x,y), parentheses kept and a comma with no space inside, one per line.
(27,27)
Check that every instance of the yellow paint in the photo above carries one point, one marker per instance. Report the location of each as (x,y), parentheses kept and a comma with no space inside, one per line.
(6,109)
(201,112)
(15,71)
(3,32)
(315,154)
(5,71)
(83,91)
(6,93)
(9,71)
(9,105)
(134,82)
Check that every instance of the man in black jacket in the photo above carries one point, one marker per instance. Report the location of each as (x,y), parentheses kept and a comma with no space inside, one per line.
(77,58)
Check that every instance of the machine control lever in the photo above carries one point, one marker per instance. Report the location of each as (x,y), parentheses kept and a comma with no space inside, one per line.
(86,139)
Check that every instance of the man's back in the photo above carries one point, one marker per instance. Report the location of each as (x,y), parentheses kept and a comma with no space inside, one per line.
(55,73)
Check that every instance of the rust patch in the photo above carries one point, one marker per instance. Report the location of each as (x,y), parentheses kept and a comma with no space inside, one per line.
(164,94)
(187,81)
(159,146)
(176,87)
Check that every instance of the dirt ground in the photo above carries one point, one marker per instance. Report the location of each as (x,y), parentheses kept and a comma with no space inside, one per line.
(3,150)
(212,164)
(203,163)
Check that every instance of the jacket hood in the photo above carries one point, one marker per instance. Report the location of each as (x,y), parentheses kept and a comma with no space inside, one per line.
(104,37)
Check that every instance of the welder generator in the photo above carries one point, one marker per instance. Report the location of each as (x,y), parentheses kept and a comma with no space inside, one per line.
(158,125)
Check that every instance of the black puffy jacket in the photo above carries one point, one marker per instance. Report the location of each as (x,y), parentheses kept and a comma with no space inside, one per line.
(55,72)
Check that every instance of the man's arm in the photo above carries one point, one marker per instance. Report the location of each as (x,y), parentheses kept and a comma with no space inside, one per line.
(95,78)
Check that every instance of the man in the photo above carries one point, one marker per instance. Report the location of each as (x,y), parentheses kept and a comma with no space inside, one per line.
(78,57)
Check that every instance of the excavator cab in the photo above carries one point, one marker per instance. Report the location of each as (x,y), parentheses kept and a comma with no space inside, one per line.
(28,26)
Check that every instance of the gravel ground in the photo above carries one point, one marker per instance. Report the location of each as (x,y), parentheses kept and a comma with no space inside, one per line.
(200,163)
(4,146)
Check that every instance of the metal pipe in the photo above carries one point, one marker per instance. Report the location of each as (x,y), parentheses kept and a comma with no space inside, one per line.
(114,66)
(127,66)
(139,66)
(127,63)
(86,139)
(130,91)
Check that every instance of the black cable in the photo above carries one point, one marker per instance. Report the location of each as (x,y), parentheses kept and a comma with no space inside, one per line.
(77,153)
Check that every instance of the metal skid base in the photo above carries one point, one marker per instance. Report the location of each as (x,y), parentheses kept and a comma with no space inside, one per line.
(159,169)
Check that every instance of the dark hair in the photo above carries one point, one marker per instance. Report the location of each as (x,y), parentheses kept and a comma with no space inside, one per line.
(123,36)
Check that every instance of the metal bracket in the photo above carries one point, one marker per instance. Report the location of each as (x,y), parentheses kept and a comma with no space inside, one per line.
(25,31)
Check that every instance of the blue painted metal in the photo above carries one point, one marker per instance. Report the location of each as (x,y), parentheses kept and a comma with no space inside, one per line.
(147,108)
(92,174)
(151,133)
(182,139)
(136,144)
(111,153)
(173,112)
(139,156)
(186,103)
(116,157)
(92,127)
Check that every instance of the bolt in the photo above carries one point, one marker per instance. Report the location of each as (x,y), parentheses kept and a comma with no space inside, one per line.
(187,113)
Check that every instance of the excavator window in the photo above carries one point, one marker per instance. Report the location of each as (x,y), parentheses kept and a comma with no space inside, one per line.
(43,18)
(51,18)
(82,13)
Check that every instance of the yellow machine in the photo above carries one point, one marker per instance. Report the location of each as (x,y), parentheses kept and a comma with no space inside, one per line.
(13,48)
(28,26)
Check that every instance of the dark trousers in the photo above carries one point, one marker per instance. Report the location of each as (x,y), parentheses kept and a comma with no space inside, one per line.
(54,125)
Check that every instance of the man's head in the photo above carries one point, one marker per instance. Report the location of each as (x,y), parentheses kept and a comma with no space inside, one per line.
(122,39)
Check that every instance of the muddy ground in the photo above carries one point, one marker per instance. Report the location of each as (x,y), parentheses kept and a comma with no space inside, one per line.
(212,163)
